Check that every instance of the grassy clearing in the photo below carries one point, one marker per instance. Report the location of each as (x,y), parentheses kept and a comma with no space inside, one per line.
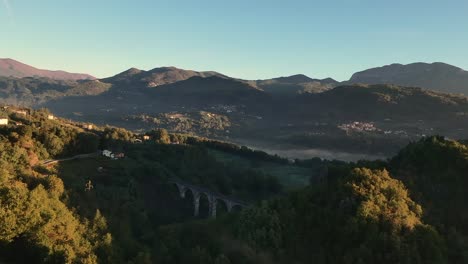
(290,176)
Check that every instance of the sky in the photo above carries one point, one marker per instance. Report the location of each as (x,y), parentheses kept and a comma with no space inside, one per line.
(250,39)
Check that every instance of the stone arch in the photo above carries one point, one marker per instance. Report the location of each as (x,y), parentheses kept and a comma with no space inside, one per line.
(202,207)
(189,197)
(181,188)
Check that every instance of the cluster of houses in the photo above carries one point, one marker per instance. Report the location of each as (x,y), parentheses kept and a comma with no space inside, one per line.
(358,127)
(370,127)
(399,133)
(143,138)
(225,108)
(4,120)
(112,155)
(87,126)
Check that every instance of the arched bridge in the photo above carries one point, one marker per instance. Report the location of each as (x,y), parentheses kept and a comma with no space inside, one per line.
(213,197)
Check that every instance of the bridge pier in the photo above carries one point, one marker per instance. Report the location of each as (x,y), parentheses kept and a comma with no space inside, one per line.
(182,190)
(213,202)
(196,203)
(229,205)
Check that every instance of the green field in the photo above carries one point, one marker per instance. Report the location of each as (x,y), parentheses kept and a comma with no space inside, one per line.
(289,175)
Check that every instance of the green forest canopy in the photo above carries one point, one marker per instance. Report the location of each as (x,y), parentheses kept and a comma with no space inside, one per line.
(411,209)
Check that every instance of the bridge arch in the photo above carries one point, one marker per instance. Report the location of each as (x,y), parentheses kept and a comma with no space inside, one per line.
(215,201)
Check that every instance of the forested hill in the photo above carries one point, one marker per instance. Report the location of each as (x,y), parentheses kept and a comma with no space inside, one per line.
(411,209)
(377,102)
(33,91)
(100,210)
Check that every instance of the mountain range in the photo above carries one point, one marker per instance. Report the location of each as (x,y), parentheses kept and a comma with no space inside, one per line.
(434,76)
(374,112)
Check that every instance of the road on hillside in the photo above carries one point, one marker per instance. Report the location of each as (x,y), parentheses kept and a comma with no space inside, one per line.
(81,156)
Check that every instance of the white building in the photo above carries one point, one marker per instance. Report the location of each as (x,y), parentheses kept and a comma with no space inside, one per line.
(88,126)
(50,117)
(21,112)
(3,121)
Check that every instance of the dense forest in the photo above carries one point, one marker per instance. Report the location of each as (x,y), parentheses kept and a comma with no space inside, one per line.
(409,209)
(100,210)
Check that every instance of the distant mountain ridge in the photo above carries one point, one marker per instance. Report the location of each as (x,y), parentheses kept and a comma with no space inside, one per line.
(211,90)
(294,84)
(296,110)
(13,68)
(158,76)
(436,76)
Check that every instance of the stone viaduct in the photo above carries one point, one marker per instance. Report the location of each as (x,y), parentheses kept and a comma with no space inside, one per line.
(213,197)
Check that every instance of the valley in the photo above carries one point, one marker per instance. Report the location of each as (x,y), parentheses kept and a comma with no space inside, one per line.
(117,209)
(336,120)
(233,132)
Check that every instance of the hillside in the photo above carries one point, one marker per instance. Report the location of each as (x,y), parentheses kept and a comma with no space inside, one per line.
(210,91)
(367,212)
(378,119)
(388,117)
(12,68)
(360,119)
(102,210)
(33,91)
(435,76)
(385,101)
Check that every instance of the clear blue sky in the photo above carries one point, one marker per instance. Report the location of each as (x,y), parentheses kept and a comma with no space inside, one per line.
(242,38)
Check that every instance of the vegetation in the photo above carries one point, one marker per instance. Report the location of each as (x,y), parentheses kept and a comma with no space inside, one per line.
(359,213)
(212,105)
(199,123)
(32,91)
(411,209)
(101,210)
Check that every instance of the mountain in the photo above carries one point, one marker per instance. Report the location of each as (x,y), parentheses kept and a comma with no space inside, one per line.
(32,91)
(13,68)
(210,90)
(294,84)
(385,101)
(130,95)
(435,76)
(296,110)
(157,77)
